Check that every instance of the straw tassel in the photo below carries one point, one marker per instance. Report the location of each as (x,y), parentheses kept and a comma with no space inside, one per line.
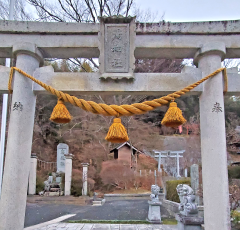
(117,132)
(173,117)
(60,113)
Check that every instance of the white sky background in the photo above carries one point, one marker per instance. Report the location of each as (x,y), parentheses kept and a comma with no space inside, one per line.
(192,10)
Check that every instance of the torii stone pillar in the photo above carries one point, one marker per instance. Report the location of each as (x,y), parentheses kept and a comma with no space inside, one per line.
(160,156)
(68,174)
(32,175)
(177,157)
(19,142)
(213,139)
(84,178)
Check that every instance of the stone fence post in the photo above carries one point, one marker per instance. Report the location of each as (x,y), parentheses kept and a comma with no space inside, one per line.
(195,180)
(84,178)
(68,174)
(32,175)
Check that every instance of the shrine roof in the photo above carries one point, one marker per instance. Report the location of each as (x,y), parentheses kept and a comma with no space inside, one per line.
(123,144)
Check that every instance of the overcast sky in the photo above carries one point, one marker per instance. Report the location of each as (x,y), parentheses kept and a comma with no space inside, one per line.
(193,10)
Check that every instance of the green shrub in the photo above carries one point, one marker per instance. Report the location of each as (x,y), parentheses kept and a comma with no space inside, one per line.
(234,172)
(235,216)
(39,184)
(76,187)
(171,189)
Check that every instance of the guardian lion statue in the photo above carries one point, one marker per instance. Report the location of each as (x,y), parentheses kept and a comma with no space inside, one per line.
(155,192)
(187,200)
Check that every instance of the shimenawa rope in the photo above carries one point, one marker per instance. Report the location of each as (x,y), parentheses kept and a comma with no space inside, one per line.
(117,110)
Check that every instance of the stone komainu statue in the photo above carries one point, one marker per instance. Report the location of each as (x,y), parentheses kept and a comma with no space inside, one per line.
(187,200)
(155,192)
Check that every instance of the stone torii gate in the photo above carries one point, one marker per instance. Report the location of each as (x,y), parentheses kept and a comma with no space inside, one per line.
(164,154)
(207,42)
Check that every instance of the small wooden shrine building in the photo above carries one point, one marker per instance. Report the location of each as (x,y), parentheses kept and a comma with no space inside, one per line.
(126,152)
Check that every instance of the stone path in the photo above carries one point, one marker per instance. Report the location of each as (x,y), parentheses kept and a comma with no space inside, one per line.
(46,216)
(71,226)
(37,213)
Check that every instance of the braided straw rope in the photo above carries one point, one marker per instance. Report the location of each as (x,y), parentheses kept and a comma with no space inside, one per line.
(117,110)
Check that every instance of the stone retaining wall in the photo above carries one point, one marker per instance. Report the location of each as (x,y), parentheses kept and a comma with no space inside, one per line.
(172,208)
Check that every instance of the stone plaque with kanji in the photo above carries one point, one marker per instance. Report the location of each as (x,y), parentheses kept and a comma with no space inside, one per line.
(116,45)
(117,48)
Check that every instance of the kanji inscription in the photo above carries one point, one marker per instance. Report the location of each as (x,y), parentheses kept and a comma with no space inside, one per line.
(18,106)
(117,48)
(217,108)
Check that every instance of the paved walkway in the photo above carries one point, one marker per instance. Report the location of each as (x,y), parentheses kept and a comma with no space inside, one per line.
(37,213)
(71,226)
(47,216)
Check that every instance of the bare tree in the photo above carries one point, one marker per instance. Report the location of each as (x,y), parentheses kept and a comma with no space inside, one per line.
(230,63)
(20,12)
(80,10)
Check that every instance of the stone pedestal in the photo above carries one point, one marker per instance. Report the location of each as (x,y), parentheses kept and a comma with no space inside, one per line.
(68,174)
(84,178)
(32,175)
(154,213)
(189,222)
(213,139)
(19,141)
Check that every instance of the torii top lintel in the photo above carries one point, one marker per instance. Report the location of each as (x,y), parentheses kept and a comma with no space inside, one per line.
(144,40)
(152,40)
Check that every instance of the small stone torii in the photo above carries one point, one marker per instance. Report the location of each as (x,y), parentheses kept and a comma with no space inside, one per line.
(164,154)
(208,43)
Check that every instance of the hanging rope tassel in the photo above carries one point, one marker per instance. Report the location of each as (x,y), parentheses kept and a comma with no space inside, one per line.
(173,117)
(117,132)
(60,113)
